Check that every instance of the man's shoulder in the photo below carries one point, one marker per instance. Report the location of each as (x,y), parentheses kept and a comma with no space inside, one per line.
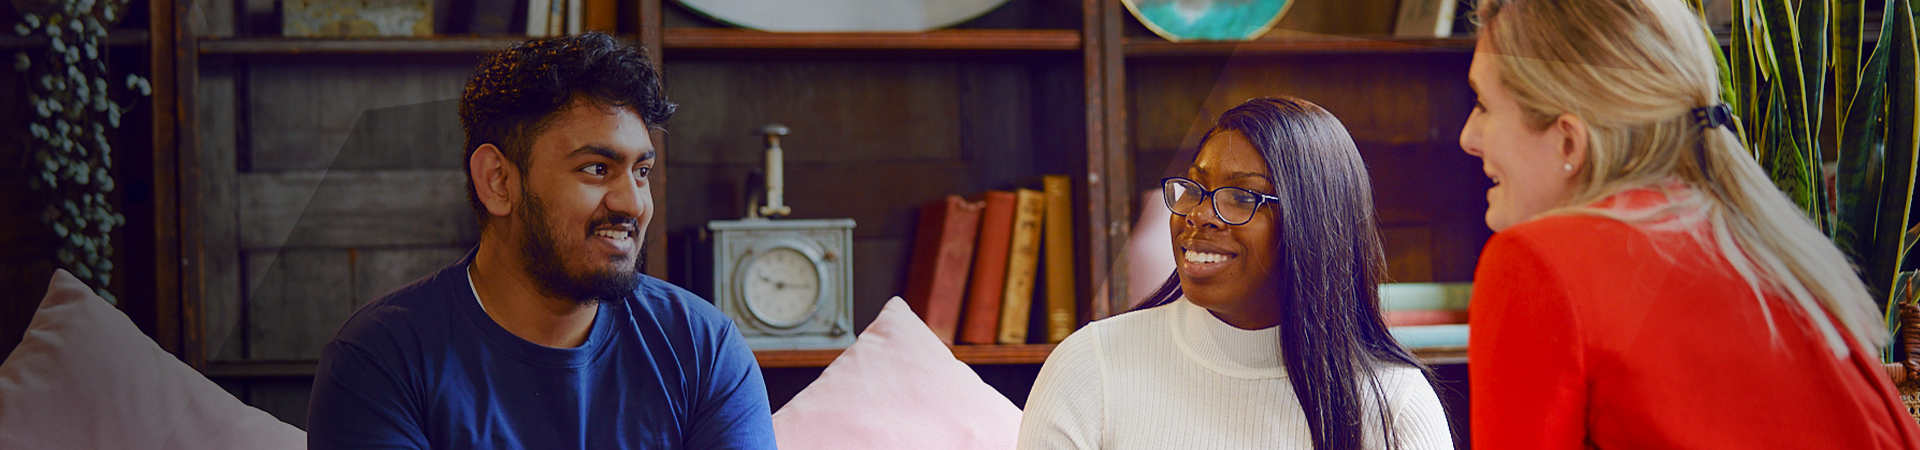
(420,308)
(664,301)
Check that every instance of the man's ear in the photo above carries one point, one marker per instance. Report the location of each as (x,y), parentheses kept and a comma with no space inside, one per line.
(494,181)
(1573,144)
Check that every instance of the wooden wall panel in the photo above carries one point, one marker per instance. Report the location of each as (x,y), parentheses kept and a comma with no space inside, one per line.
(381,270)
(355,209)
(839,112)
(301,114)
(298,300)
(285,398)
(219,213)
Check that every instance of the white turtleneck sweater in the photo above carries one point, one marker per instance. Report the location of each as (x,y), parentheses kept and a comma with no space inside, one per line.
(1177,377)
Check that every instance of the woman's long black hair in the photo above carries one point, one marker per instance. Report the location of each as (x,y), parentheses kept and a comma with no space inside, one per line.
(1332,338)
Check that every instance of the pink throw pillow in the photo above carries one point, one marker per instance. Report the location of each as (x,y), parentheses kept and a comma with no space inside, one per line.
(897,387)
(85,377)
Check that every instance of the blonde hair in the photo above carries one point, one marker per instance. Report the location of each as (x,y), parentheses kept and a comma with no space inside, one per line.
(1632,71)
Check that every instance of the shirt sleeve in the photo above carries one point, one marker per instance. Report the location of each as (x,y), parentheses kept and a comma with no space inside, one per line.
(358,404)
(733,412)
(1067,407)
(1420,423)
(1527,359)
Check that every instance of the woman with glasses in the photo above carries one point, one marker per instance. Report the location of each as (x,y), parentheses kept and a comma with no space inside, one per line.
(1269,334)
(1647,286)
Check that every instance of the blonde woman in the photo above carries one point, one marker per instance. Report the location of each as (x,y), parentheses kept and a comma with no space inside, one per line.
(1647,286)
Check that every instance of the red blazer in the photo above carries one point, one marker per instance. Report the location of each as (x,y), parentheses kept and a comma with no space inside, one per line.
(1591,333)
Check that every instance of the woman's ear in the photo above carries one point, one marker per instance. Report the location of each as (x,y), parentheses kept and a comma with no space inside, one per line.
(1573,144)
(493,180)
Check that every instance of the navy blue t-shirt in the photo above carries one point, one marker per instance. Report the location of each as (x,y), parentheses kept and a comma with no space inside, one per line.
(424,367)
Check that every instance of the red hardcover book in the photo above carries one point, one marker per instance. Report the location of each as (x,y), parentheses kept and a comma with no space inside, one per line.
(981,322)
(942,254)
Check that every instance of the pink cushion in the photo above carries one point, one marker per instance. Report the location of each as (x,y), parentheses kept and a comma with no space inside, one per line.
(85,378)
(897,387)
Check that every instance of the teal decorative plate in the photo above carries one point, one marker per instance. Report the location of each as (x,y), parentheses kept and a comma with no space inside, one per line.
(1208,20)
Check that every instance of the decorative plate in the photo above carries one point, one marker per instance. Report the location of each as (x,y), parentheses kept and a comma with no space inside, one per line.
(842,15)
(1208,20)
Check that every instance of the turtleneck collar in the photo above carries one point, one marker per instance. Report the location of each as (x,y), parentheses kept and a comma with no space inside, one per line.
(1223,348)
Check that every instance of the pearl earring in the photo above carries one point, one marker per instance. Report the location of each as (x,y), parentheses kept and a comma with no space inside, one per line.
(1567,167)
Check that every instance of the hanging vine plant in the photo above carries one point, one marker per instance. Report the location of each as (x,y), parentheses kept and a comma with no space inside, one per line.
(71,113)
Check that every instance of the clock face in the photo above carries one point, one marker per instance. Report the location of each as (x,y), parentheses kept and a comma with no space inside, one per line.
(782,287)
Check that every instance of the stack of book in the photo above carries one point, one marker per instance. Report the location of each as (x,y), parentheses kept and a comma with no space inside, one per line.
(980,265)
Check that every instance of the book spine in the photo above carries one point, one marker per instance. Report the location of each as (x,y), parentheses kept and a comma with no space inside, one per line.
(491,17)
(603,15)
(981,324)
(1061,318)
(576,9)
(537,16)
(942,254)
(1023,265)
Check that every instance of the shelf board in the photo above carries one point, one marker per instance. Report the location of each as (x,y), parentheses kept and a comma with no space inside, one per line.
(115,38)
(966,39)
(1156,47)
(260,369)
(438,45)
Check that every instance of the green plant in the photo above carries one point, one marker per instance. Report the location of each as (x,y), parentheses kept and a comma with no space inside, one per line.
(1780,56)
(71,113)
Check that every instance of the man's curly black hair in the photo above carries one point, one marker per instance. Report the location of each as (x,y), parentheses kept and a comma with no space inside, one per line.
(516,93)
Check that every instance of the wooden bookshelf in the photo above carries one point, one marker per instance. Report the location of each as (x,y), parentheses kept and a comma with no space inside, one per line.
(448,45)
(115,38)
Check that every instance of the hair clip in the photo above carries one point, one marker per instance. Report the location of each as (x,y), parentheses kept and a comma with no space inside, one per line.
(1715,116)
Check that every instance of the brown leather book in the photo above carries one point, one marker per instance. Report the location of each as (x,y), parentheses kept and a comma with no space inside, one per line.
(1058,247)
(1023,266)
(942,255)
(602,15)
(981,323)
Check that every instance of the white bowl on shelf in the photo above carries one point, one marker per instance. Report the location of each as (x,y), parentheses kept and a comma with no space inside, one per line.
(842,15)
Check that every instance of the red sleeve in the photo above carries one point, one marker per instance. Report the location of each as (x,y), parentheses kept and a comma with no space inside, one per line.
(1526,357)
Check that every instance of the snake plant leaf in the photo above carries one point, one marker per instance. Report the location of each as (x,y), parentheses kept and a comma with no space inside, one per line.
(1846,20)
(1811,36)
(1863,156)
(1784,161)
(1899,147)
(1746,103)
(1783,37)
(1902,290)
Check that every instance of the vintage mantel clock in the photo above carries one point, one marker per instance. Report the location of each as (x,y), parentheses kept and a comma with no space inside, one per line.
(787,284)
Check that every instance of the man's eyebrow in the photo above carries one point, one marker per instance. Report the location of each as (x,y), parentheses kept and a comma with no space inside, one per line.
(599,151)
(648,156)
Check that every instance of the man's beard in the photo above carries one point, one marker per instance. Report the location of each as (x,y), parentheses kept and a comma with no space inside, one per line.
(540,249)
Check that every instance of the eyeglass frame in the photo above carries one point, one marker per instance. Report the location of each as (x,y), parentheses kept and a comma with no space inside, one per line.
(1208,194)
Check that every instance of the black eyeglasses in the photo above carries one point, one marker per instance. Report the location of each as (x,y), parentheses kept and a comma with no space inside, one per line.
(1183,195)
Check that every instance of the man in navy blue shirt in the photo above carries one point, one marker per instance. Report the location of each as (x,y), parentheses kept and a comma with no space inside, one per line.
(546,335)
